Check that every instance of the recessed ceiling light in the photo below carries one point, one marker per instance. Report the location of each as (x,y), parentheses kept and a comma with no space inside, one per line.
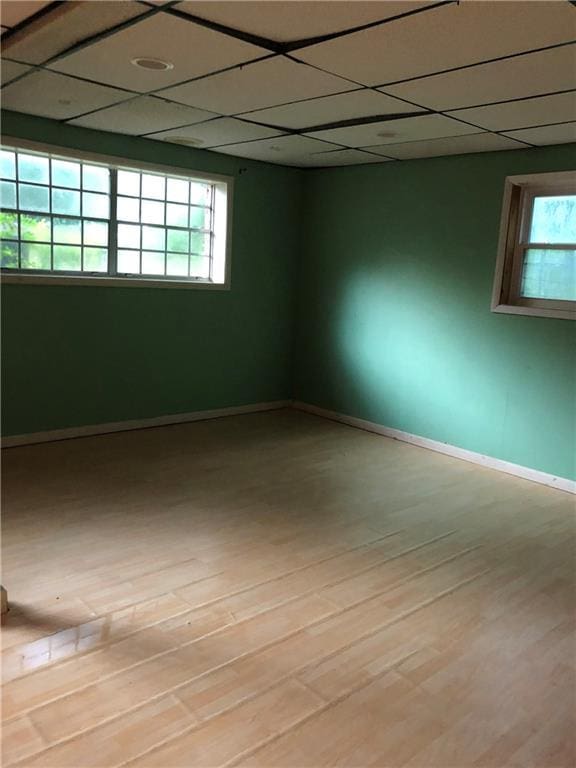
(156,64)
(185,141)
(387,134)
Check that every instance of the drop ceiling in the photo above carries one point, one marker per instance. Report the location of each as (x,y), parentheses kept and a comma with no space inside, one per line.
(316,83)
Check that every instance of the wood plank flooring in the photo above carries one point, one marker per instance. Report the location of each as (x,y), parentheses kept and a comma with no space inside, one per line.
(280,590)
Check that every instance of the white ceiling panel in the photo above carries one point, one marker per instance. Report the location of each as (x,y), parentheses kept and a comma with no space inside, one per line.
(395,131)
(455,145)
(529,75)
(263,84)
(224,130)
(442,38)
(11,69)
(522,114)
(51,95)
(344,157)
(286,21)
(194,51)
(16,11)
(143,115)
(565,133)
(66,25)
(285,150)
(328,109)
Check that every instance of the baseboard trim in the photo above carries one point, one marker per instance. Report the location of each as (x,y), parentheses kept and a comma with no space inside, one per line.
(560,483)
(68,433)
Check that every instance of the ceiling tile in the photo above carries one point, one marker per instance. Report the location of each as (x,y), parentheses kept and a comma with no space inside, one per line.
(407,129)
(263,84)
(194,51)
(343,106)
(565,133)
(455,145)
(15,11)
(344,157)
(529,75)
(442,38)
(284,150)
(522,114)
(225,130)
(143,115)
(66,25)
(285,21)
(57,96)
(11,69)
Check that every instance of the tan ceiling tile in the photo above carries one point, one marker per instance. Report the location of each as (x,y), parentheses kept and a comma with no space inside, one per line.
(528,75)
(143,114)
(445,37)
(522,114)
(285,21)
(342,106)
(395,131)
(262,84)
(51,95)
(192,50)
(67,25)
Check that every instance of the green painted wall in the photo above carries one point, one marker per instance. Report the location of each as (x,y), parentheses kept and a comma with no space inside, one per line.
(82,355)
(394,321)
(394,266)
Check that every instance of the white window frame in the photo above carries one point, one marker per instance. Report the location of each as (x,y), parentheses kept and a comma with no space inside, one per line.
(222,224)
(519,193)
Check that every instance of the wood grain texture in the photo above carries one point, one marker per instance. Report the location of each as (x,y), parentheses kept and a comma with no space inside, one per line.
(280,590)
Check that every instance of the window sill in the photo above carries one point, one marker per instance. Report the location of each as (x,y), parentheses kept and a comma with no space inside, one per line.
(513,309)
(111,282)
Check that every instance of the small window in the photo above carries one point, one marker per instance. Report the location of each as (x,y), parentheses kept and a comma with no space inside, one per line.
(536,269)
(63,217)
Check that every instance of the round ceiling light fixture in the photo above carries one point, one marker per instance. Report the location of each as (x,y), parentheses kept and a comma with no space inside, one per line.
(158,65)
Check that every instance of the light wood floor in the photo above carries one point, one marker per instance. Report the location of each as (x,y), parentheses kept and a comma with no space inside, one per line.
(280,590)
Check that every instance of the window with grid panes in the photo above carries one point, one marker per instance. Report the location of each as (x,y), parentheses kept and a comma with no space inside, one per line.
(64,216)
(536,270)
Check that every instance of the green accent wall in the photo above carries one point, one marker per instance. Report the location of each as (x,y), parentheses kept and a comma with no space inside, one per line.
(86,355)
(394,320)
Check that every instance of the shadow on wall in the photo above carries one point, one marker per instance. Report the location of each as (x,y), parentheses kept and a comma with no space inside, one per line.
(391,353)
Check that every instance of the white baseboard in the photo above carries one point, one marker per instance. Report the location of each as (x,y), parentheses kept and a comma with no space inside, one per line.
(535,475)
(561,483)
(124,426)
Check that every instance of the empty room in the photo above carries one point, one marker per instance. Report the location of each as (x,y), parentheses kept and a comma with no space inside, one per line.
(288,383)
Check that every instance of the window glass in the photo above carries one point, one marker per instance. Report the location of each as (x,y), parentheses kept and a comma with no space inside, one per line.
(65,174)
(549,274)
(65,215)
(554,219)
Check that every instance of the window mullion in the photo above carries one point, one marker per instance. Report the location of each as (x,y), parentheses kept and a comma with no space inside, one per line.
(113,225)
(17,184)
(549,246)
(211,233)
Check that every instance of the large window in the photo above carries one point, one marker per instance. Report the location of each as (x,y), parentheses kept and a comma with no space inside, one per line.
(73,218)
(536,271)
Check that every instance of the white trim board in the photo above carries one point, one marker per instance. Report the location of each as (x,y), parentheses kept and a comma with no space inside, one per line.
(535,475)
(14,441)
